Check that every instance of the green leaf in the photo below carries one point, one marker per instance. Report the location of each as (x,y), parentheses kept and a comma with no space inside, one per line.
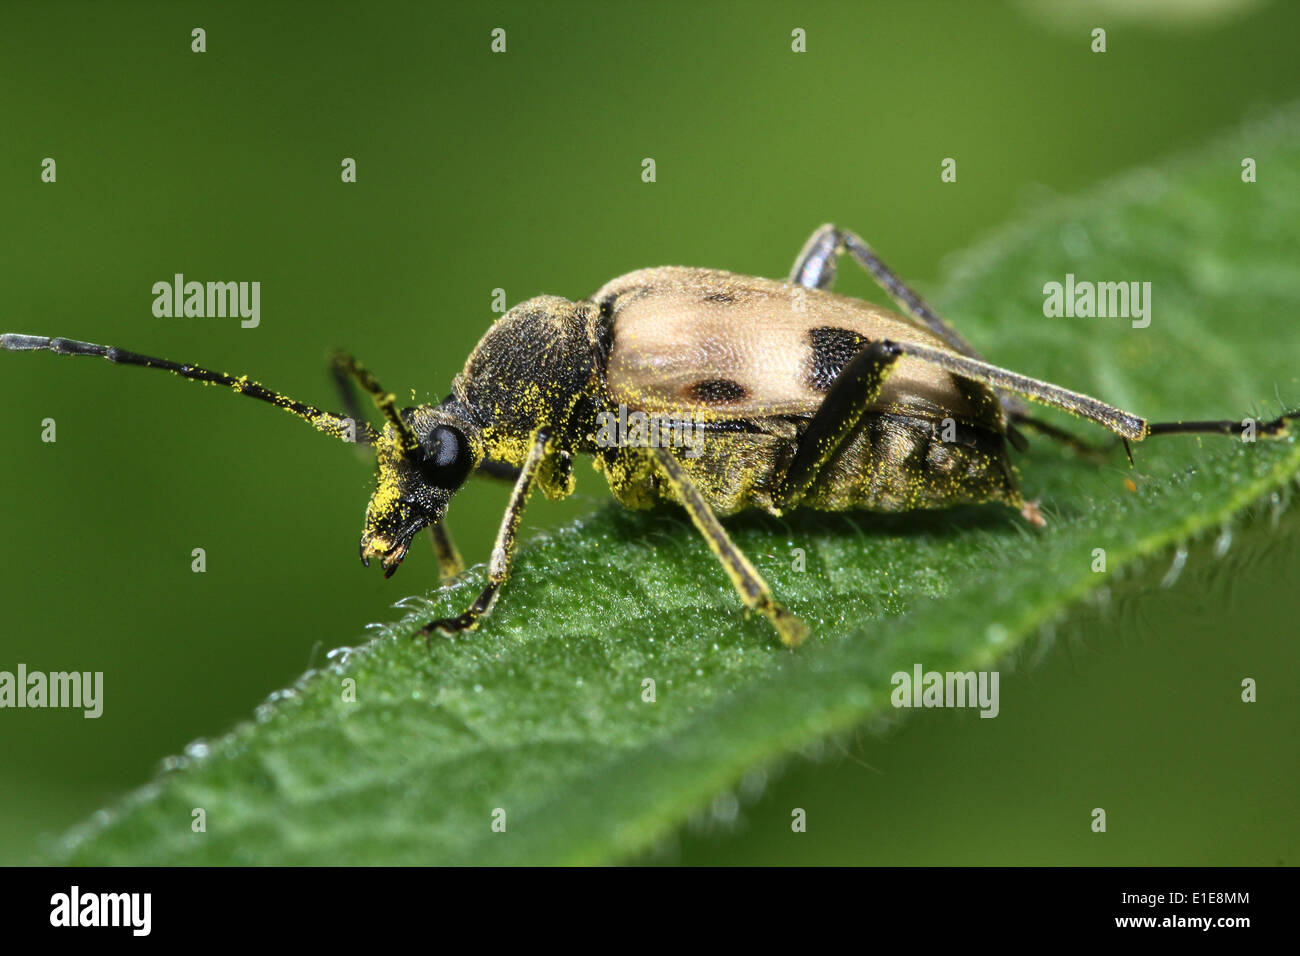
(541,713)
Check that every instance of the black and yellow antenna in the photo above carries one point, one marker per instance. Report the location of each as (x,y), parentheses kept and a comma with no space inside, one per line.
(336,426)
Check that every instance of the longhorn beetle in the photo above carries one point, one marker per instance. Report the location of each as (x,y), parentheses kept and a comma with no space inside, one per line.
(799,398)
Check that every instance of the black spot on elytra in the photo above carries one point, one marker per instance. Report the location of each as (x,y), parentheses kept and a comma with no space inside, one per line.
(832,349)
(717,391)
(720,295)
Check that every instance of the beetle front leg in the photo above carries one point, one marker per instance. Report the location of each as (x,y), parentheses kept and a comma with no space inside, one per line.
(753,590)
(449,559)
(502,552)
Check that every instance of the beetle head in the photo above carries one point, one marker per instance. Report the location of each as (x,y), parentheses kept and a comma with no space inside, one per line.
(415,484)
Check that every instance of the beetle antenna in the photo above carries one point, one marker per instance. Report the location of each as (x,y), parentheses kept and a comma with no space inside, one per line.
(336,426)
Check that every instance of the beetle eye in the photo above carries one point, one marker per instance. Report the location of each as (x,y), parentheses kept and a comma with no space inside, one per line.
(447,457)
(446,446)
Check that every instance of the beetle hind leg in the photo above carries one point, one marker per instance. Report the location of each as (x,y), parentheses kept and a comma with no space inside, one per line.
(1276,428)
(840,412)
(814,268)
(1126,425)
(1081,447)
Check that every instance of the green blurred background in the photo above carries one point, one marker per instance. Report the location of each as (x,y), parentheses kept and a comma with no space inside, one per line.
(522,171)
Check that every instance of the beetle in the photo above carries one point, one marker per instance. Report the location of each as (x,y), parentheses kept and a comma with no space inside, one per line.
(795,397)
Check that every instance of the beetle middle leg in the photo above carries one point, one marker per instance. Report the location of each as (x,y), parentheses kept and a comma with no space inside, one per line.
(751,587)
(837,419)
(503,551)
(856,387)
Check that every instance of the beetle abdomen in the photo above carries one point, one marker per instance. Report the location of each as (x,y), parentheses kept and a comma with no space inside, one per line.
(899,463)
(892,463)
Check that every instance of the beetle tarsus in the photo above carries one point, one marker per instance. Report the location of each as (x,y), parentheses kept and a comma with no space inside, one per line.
(791,629)
(448,627)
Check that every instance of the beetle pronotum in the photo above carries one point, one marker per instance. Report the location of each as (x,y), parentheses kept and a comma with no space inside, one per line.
(804,399)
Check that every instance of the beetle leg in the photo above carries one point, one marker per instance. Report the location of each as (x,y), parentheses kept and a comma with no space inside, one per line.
(449,560)
(1273,429)
(1084,449)
(753,590)
(856,387)
(502,552)
(497,469)
(859,384)
(1124,424)
(815,269)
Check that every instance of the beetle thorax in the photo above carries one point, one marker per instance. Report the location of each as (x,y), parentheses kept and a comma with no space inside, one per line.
(536,368)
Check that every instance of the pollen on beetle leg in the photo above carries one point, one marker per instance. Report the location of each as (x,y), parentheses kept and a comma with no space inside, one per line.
(792,631)
(1029,511)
